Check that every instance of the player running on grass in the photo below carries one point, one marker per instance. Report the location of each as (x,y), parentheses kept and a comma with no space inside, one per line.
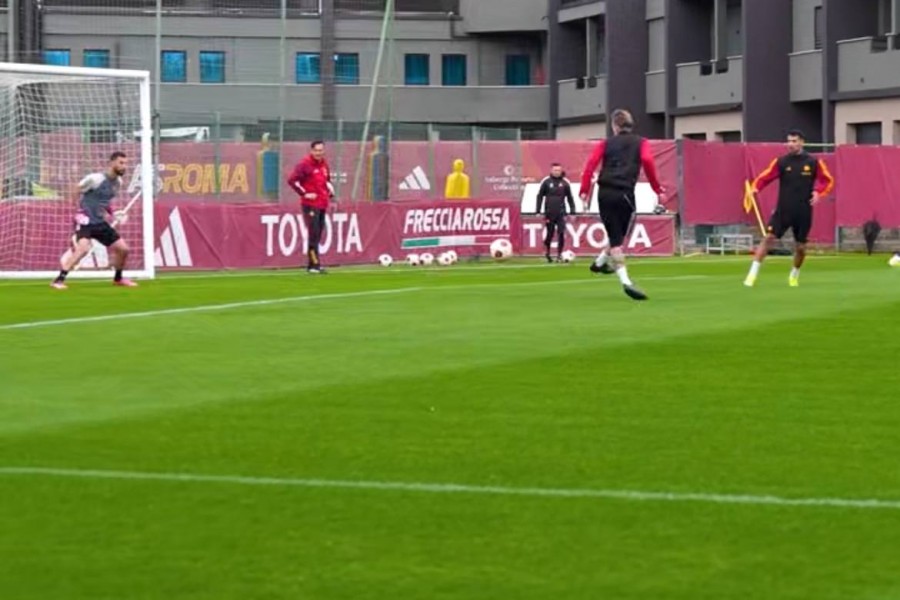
(92,221)
(804,181)
(622,157)
(311,179)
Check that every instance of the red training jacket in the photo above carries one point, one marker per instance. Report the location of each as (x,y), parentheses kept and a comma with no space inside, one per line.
(312,177)
(596,159)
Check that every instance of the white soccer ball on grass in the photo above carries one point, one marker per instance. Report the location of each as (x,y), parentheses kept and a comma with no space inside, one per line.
(454,257)
(427,259)
(445,260)
(501,249)
(895,260)
(568,256)
(385,260)
(413,260)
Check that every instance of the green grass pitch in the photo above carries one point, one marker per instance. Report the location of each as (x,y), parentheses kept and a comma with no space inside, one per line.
(521,432)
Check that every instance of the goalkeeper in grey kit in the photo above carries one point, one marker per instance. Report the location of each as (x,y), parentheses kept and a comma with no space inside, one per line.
(92,222)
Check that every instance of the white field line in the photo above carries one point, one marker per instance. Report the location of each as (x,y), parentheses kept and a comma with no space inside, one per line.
(455,488)
(354,270)
(204,308)
(307,298)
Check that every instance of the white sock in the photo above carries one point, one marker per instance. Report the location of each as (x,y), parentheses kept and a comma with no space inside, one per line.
(622,272)
(795,272)
(754,268)
(601,259)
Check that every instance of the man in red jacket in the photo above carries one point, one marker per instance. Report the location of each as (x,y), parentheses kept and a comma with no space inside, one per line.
(311,179)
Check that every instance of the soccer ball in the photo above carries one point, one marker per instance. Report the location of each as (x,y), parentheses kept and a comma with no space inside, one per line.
(501,249)
(895,260)
(445,260)
(454,257)
(427,259)
(385,260)
(412,260)
(568,256)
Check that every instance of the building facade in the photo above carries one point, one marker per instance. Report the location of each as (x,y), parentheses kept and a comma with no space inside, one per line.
(730,70)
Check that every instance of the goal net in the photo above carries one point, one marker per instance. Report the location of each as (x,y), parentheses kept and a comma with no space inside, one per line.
(57,125)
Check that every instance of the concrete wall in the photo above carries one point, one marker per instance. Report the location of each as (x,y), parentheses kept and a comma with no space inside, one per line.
(862,69)
(582,11)
(844,20)
(768,110)
(886,112)
(697,90)
(656,45)
(806,76)
(452,104)
(709,124)
(628,47)
(587,102)
(485,16)
(253,64)
(656,92)
(656,9)
(580,132)
(804,24)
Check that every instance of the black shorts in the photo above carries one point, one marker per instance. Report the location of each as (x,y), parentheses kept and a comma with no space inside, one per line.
(796,217)
(616,212)
(102,232)
(555,219)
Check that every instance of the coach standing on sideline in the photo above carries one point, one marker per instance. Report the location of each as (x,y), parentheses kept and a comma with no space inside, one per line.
(558,192)
(311,179)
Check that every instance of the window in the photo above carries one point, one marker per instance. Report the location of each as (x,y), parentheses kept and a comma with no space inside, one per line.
(518,69)
(729,137)
(868,133)
(346,69)
(96,58)
(174,66)
(453,69)
(819,27)
(212,67)
(695,136)
(60,58)
(417,70)
(308,68)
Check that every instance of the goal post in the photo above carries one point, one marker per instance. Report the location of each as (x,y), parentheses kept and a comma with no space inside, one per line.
(57,125)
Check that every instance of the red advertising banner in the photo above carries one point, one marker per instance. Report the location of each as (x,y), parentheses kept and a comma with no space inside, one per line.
(714,175)
(758,157)
(219,236)
(868,182)
(651,235)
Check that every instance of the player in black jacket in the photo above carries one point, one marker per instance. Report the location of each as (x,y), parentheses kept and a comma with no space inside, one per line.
(557,191)
(620,159)
(803,181)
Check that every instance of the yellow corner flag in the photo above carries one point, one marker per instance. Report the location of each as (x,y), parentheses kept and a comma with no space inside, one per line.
(750,205)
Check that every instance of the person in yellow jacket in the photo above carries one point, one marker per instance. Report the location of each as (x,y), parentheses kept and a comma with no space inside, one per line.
(457,186)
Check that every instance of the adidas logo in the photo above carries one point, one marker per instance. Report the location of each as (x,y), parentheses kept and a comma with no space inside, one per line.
(173,250)
(416,181)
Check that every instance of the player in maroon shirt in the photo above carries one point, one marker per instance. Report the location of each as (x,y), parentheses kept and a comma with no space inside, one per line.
(311,179)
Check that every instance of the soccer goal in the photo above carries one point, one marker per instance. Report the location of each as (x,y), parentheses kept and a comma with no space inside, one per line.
(57,125)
